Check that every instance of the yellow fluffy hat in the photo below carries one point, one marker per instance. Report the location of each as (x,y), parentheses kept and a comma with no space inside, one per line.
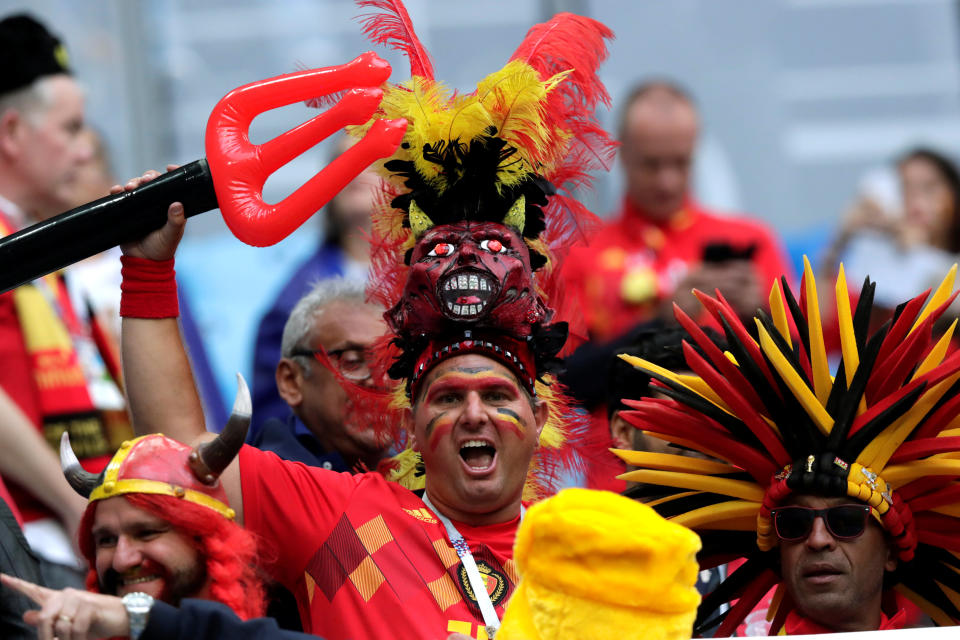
(594,564)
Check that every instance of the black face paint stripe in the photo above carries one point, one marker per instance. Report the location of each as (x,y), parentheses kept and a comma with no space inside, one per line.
(433,422)
(510,412)
(472,369)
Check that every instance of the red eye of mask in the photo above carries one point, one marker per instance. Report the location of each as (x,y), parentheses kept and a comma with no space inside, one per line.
(441,249)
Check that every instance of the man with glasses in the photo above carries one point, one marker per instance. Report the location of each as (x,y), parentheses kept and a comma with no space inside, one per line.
(828,489)
(332,324)
(833,558)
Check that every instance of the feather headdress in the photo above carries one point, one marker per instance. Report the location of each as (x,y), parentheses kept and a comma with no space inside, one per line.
(528,129)
(883,430)
(509,154)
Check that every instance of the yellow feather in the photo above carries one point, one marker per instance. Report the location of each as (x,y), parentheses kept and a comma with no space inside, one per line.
(818,352)
(724,486)
(645,365)
(901,474)
(876,454)
(804,395)
(939,296)
(935,357)
(779,312)
(672,462)
(848,340)
(705,516)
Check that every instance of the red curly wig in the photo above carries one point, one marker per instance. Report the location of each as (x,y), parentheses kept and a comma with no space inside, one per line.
(229,549)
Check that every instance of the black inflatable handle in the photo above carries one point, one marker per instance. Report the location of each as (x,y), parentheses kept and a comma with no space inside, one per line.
(99,225)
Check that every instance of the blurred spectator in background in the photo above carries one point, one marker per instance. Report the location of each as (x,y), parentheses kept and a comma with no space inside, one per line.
(331,322)
(345,252)
(51,366)
(96,280)
(664,243)
(905,234)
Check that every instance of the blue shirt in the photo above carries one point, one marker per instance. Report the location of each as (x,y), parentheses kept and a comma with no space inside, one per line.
(291,440)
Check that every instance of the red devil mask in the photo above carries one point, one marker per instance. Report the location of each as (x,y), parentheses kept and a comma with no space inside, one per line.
(473,273)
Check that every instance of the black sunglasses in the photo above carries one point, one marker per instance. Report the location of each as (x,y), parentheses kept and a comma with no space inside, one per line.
(844,522)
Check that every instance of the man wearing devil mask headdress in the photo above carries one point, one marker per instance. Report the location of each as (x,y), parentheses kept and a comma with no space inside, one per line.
(463,237)
(158,525)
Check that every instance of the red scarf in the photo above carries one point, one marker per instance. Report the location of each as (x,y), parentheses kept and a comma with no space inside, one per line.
(796,624)
(56,393)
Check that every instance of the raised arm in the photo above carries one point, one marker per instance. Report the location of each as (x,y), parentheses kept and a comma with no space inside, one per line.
(159,383)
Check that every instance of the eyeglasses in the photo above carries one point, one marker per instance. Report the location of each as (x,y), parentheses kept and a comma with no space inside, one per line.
(353,364)
(844,522)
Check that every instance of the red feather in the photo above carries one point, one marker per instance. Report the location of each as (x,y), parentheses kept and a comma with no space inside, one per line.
(576,44)
(392,27)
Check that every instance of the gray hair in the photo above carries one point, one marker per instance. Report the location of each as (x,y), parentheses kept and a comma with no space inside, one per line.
(32,100)
(325,292)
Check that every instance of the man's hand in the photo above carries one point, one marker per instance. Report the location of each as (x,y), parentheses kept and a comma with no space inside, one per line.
(736,279)
(162,243)
(71,614)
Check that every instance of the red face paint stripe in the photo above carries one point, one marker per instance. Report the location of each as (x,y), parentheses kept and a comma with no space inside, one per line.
(458,381)
(442,425)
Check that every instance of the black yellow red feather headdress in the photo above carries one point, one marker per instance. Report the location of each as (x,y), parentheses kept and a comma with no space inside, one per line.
(884,430)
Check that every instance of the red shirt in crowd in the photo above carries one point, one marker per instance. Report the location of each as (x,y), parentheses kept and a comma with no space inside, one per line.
(364,557)
(633,264)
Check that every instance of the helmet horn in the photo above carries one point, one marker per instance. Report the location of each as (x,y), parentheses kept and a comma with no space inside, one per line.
(82,481)
(208,460)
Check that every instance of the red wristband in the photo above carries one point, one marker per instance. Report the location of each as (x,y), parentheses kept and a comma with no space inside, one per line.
(148,289)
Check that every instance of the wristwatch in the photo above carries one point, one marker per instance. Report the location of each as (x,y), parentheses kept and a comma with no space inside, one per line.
(138,605)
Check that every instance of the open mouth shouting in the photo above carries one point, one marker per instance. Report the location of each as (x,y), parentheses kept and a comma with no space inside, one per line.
(478,455)
(467,294)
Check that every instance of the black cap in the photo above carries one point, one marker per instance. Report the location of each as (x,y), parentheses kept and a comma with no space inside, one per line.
(28,52)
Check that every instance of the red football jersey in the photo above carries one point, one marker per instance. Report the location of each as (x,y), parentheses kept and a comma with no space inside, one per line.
(365,557)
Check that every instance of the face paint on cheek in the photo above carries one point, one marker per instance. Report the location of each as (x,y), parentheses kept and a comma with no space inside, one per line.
(511,421)
(438,427)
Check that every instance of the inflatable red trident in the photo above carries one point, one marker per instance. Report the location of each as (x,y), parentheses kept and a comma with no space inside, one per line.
(231,177)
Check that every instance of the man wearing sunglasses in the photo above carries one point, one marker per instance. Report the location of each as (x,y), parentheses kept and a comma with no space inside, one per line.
(331,325)
(833,558)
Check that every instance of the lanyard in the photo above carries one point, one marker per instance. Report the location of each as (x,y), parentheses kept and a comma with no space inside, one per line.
(490,618)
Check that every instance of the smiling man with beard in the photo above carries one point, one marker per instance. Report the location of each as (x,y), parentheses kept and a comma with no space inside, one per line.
(158,525)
